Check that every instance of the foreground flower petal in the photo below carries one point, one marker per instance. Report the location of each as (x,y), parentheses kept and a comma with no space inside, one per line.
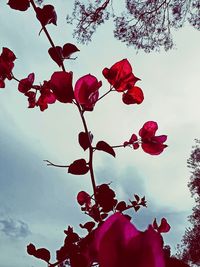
(118,243)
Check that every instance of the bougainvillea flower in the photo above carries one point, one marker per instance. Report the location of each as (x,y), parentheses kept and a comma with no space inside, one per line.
(86,91)
(133,96)
(46,15)
(7,59)
(21,5)
(26,83)
(61,82)
(46,97)
(151,144)
(120,76)
(164,226)
(31,98)
(118,243)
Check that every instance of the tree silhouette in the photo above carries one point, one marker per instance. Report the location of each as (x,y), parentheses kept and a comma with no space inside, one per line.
(146,25)
(190,247)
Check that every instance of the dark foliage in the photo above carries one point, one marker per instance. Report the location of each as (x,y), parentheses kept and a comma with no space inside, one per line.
(190,246)
(146,25)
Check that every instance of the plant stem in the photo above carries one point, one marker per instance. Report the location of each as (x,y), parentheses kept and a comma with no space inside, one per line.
(91,151)
(47,34)
(111,90)
(49,163)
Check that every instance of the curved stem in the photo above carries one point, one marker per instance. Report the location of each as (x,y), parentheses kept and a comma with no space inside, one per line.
(49,163)
(111,90)
(47,34)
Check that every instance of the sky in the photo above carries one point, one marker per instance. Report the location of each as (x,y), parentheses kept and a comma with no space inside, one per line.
(39,202)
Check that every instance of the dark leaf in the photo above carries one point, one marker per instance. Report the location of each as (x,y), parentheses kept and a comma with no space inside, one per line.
(46,15)
(137,198)
(21,5)
(121,206)
(83,140)
(104,215)
(78,167)
(83,198)
(41,253)
(103,146)
(136,208)
(56,54)
(69,49)
(89,226)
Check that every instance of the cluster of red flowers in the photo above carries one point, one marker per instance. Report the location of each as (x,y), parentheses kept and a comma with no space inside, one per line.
(111,240)
(115,243)
(151,144)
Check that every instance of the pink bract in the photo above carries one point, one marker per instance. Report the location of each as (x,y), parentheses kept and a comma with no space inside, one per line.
(62,86)
(151,144)
(120,76)
(86,91)
(118,243)
(7,59)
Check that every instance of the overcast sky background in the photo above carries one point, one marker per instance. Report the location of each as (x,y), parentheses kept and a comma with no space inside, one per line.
(38,202)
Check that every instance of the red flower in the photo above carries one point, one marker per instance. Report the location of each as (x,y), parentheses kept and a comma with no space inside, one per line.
(118,243)
(152,144)
(7,58)
(62,86)
(133,96)
(120,76)
(46,97)
(86,91)
(26,83)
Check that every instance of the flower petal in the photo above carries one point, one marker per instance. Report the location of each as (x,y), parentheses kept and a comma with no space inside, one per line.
(62,86)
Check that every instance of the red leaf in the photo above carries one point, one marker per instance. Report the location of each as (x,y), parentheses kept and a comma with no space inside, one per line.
(137,197)
(121,206)
(83,198)
(155,225)
(78,167)
(21,5)
(89,226)
(69,49)
(103,146)
(84,140)
(56,54)
(41,253)
(164,226)
(46,15)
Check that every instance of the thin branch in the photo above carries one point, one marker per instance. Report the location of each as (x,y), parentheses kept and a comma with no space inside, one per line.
(111,90)
(49,163)
(47,34)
